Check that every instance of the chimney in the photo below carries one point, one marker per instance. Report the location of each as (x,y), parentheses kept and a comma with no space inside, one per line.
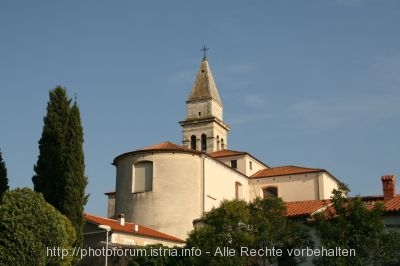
(136,228)
(121,219)
(388,184)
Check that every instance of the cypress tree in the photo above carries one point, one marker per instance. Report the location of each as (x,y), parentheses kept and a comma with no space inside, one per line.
(3,177)
(50,168)
(76,181)
(60,165)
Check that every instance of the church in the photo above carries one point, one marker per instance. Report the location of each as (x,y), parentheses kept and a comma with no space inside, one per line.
(166,186)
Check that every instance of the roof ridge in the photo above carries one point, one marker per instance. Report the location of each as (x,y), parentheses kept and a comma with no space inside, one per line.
(285,170)
(143,230)
(227,150)
(161,145)
(297,166)
(167,146)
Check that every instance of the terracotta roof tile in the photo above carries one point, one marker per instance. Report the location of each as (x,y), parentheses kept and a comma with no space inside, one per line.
(305,208)
(285,170)
(225,153)
(164,146)
(393,204)
(129,228)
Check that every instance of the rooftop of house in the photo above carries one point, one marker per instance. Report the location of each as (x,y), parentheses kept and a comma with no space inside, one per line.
(165,146)
(308,208)
(305,208)
(286,170)
(129,228)
(226,153)
(230,153)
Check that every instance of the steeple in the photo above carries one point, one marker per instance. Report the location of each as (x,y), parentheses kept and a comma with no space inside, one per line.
(204,128)
(204,87)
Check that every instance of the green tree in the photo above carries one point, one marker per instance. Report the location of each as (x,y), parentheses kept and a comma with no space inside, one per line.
(60,165)
(274,229)
(3,177)
(50,168)
(222,227)
(28,227)
(240,226)
(354,224)
(75,180)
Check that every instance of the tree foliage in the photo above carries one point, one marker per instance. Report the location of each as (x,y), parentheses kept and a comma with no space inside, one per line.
(60,165)
(28,225)
(352,224)
(274,229)
(237,224)
(3,177)
(75,180)
(225,226)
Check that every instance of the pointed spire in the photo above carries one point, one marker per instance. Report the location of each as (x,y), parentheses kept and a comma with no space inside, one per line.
(204,86)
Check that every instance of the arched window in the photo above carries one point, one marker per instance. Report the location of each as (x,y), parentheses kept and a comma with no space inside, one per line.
(143,178)
(218,143)
(193,142)
(270,192)
(203,142)
(222,144)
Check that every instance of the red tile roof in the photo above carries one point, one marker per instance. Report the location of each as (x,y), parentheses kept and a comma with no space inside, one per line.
(166,146)
(305,208)
(163,146)
(285,170)
(393,204)
(308,208)
(225,153)
(129,228)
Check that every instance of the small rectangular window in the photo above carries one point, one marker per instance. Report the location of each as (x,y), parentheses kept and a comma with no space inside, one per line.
(270,192)
(143,179)
(251,165)
(234,164)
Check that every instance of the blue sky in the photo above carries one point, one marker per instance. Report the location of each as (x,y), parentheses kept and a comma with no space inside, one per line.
(314,83)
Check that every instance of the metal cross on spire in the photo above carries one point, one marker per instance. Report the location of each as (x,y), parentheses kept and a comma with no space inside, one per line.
(205,52)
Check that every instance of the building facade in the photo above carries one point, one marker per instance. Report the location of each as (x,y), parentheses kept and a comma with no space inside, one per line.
(166,186)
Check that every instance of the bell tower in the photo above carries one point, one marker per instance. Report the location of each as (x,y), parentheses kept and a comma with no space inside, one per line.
(203,128)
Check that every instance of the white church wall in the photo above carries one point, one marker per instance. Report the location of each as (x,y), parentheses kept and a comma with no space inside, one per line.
(329,184)
(245,164)
(220,184)
(252,166)
(123,186)
(172,204)
(290,187)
